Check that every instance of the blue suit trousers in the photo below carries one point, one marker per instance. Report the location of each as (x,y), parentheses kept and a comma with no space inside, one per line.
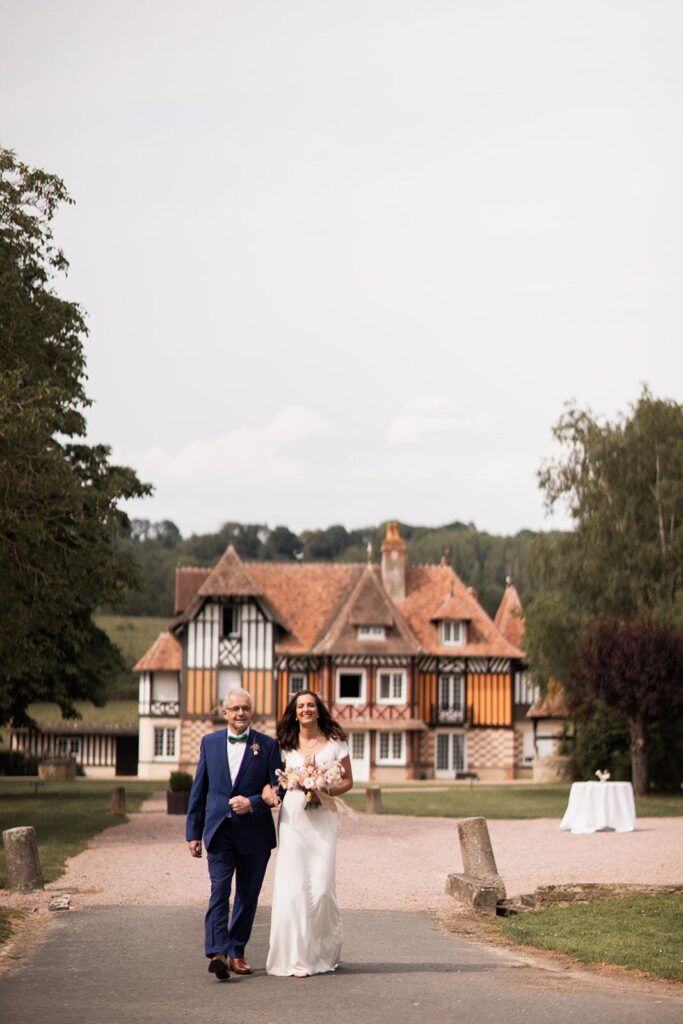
(222,934)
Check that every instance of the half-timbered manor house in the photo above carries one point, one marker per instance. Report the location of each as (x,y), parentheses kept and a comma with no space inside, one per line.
(404,656)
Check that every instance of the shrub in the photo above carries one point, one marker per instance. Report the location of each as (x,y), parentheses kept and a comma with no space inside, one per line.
(180,782)
(13,762)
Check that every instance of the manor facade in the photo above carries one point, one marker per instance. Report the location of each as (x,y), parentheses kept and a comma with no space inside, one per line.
(425,684)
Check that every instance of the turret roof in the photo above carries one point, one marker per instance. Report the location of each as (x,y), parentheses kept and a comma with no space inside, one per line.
(509,618)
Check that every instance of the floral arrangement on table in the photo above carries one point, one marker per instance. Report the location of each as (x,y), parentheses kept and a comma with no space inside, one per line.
(602,775)
(313,779)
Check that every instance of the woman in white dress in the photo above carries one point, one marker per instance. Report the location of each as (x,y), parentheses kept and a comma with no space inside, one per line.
(305,929)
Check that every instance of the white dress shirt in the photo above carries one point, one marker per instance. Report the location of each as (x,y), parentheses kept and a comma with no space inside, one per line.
(236,752)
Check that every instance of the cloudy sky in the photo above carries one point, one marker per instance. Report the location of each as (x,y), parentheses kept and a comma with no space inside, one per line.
(345,260)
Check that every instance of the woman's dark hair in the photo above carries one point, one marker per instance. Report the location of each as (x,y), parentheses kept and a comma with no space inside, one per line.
(288,727)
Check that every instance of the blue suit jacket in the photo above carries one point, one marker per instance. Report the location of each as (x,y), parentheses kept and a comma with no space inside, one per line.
(213,787)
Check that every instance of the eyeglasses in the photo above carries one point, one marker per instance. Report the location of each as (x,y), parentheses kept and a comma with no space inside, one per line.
(242,707)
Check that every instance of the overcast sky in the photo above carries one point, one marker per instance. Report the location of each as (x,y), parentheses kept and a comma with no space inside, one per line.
(345,260)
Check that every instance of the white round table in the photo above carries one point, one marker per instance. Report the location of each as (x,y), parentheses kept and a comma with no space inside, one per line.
(596,805)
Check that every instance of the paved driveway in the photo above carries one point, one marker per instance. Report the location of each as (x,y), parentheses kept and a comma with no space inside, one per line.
(123,965)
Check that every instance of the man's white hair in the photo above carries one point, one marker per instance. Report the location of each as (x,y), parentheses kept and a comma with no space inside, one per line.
(237,691)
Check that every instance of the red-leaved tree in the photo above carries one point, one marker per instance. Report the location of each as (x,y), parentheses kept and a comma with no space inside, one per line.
(636,667)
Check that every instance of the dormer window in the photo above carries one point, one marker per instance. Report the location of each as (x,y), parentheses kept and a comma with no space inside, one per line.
(231,620)
(453,633)
(371,633)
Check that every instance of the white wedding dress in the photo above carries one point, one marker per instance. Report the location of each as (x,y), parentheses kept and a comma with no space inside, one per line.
(305,927)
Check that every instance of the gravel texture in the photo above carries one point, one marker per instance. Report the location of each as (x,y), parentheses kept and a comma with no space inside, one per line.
(384,863)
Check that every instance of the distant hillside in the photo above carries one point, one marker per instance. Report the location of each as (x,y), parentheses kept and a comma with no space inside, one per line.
(481,559)
(132,635)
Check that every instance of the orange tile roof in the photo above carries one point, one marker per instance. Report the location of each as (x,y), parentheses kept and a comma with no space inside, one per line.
(165,655)
(188,580)
(453,607)
(230,578)
(304,597)
(427,588)
(509,618)
(320,604)
(551,704)
(368,604)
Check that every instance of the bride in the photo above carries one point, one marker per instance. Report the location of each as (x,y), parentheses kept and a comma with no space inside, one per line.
(305,929)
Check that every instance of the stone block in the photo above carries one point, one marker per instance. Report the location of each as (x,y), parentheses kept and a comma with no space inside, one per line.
(57,769)
(118,800)
(475,845)
(21,857)
(373,800)
(482,894)
(586,892)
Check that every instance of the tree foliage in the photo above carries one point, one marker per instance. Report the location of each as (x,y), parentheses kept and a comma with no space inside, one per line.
(635,667)
(623,562)
(58,495)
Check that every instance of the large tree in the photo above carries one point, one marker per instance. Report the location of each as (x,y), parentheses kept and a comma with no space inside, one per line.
(58,495)
(623,561)
(636,668)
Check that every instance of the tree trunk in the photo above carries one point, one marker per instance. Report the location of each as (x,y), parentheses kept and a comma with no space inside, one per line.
(638,756)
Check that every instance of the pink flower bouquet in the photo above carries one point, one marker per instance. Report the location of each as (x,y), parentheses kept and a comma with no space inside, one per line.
(311,778)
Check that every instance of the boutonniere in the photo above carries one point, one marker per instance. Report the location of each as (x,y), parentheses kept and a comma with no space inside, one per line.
(255,749)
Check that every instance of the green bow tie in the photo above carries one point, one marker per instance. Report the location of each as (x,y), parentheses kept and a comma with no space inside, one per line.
(238,739)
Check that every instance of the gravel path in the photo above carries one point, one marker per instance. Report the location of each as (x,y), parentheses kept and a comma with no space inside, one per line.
(383,863)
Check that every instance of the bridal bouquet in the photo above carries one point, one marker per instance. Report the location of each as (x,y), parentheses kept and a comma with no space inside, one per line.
(311,778)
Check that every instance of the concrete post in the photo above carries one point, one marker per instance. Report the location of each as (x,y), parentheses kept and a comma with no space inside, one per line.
(475,845)
(118,800)
(21,855)
(373,796)
(480,885)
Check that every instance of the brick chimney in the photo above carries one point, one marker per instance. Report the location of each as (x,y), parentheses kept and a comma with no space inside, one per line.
(394,563)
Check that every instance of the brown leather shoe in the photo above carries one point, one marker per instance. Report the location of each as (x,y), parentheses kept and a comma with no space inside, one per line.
(218,965)
(239,966)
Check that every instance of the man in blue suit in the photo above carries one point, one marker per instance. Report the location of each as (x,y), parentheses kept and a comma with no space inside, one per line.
(228,810)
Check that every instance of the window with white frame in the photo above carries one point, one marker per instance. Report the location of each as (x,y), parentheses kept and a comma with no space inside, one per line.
(453,633)
(357,746)
(450,752)
(350,686)
(164,743)
(391,748)
(452,698)
(371,633)
(391,687)
(297,682)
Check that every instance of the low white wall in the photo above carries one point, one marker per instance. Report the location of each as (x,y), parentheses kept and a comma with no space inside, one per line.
(156,769)
(96,772)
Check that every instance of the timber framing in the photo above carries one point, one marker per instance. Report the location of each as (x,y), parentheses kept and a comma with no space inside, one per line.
(369,639)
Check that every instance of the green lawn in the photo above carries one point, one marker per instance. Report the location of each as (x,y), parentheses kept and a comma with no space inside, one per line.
(65,815)
(640,932)
(132,634)
(507,801)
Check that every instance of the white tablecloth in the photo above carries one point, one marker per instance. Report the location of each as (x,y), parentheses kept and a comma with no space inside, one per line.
(596,805)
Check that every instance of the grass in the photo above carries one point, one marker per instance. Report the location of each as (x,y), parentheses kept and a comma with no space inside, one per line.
(6,918)
(114,712)
(507,801)
(64,815)
(132,634)
(641,932)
